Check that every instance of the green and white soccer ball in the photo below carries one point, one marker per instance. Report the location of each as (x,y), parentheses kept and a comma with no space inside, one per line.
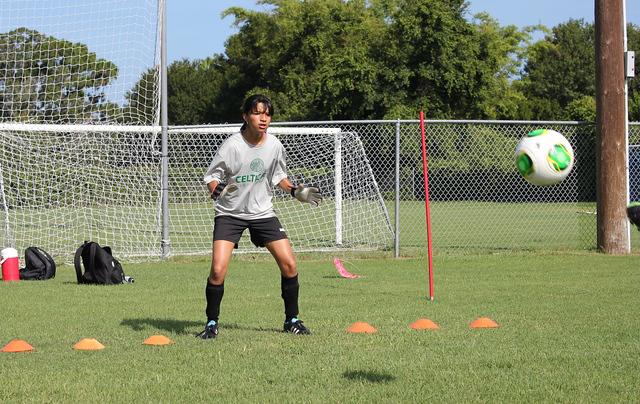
(544,157)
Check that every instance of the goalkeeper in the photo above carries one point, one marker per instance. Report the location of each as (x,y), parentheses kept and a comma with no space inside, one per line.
(241,177)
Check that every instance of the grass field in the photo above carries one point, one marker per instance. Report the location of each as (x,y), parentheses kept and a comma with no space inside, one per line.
(569,332)
(462,226)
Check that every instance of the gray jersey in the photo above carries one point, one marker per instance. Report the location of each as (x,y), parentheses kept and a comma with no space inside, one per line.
(254,169)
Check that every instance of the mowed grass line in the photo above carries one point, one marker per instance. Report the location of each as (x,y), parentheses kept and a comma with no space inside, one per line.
(568,333)
(462,226)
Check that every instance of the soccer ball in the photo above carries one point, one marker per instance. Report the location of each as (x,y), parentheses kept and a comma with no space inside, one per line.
(544,157)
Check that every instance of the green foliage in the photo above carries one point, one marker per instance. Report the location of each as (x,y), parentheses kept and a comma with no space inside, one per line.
(327,59)
(142,101)
(558,81)
(502,51)
(389,59)
(195,91)
(335,59)
(45,79)
(315,56)
(633,43)
(559,70)
(448,66)
(581,109)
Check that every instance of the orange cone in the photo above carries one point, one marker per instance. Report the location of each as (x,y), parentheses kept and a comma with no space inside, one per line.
(157,340)
(424,324)
(361,327)
(484,322)
(88,344)
(17,345)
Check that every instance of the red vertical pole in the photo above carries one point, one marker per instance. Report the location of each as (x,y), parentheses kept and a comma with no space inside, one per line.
(425,172)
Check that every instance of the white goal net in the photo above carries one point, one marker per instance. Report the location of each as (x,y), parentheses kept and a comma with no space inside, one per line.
(63,184)
(81,151)
(88,62)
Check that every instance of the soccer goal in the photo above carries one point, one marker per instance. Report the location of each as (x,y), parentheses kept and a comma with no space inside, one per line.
(63,184)
(79,120)
(352,216)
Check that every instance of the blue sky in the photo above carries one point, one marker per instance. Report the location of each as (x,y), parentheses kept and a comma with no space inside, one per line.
(195,29)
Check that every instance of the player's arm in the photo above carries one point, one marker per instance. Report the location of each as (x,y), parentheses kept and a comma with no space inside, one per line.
(301,192)
(286,185)
(214,177)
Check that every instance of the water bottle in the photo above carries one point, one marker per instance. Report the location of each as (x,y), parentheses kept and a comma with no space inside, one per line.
(10,264)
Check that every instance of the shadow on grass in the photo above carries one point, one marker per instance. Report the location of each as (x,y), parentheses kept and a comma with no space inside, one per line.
(184,327)
(171,325)
(235,326)
(369,376)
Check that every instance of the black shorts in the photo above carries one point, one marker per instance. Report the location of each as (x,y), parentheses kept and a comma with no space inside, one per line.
(262,231)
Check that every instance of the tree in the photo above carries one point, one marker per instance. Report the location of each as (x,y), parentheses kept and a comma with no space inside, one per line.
(559,77)
(559,71)
(195,92)
(44,79)
(141,107)
(316,57)
(502,51)
(443,63)
(334,59)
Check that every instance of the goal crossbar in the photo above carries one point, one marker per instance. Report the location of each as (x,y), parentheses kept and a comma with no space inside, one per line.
(50,128)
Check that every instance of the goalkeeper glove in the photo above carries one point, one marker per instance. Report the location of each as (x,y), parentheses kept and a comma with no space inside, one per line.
(310,195)
(222,189)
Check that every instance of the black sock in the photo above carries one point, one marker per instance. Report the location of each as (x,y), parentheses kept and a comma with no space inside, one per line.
(214,295)
(290,288)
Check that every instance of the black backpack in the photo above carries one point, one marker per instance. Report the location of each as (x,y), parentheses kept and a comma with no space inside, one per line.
(100,268)
(38,265)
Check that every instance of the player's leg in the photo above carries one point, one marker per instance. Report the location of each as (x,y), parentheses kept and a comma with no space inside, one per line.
(220,256)
(282,252)
(633,213)
(289,286)
(269,233)
(227,233)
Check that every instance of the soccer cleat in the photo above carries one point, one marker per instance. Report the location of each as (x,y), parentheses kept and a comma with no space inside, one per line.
(295,326)
(210,331)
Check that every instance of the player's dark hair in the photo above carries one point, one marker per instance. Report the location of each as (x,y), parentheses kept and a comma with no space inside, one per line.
(251,104)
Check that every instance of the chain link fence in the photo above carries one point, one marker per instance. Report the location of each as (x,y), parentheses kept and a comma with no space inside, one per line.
(478,201)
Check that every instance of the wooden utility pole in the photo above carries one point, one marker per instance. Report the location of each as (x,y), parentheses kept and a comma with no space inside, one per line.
(613,233)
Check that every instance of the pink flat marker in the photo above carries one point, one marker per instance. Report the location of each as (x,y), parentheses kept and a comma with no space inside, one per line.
(342,270)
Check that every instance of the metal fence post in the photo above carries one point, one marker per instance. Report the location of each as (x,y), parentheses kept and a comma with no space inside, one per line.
(338,185)
(396,237)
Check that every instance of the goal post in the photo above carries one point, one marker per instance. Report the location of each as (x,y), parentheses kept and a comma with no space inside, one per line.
(79,114)
(337,158)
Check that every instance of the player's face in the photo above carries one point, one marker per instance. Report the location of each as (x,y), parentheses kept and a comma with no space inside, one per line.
(258,120)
